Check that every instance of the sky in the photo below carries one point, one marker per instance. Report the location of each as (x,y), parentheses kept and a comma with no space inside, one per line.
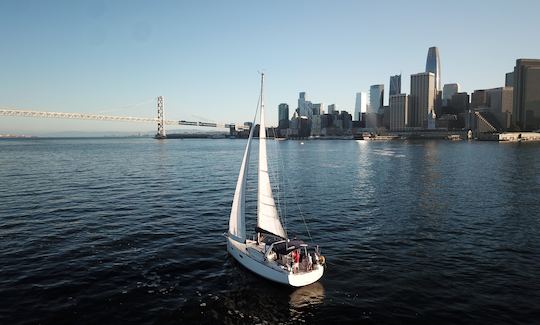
(116,57)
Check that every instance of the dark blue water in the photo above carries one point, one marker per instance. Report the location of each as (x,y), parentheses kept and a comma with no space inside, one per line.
(130,231)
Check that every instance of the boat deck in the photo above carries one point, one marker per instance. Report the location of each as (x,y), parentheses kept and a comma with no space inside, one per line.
(257,251)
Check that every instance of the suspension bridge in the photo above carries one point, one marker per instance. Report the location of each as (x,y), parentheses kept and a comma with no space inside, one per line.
(159,120)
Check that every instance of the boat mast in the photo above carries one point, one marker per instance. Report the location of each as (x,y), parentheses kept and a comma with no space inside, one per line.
(267,214)
(262,128)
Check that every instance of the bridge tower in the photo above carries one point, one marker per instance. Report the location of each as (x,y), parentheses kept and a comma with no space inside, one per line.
(160,127)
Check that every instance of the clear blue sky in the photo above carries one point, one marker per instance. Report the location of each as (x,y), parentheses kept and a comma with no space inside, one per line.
(115,57)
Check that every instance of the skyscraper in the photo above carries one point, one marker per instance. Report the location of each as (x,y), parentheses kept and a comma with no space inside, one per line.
(448,91)
(460,103)
(526,110)
(509,79)
(395,85)
(317,108)
(500,104)
(433,64)
(376,97)
(304,106)
(398,111)
(331,108)
(422,100)
(283,115)
(360,105)
(479,99)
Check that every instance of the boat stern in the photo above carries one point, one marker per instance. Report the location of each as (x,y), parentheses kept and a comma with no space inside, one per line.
(303,279)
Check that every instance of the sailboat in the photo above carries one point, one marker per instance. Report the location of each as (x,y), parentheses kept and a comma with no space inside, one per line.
(269,253)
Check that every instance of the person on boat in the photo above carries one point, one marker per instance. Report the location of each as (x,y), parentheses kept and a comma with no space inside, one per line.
(310,262)
(296,259)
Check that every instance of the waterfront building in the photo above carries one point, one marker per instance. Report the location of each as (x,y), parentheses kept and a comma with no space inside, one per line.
(526,107)
(422,101)
(376,98)
(449,90)
(398,111)
(500,104)
(304,106)
(360,106)
(332,108)
(433,65)
(479,99)
(384,117)
(283,116)
(459,103)
(363,120)
(372,120)
(316,125)
(509,79)
(346,121)
(395,85)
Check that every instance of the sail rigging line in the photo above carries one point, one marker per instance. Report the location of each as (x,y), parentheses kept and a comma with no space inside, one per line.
(301,213)
(277,172)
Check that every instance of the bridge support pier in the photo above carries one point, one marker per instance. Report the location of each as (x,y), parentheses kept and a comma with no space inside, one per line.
(161,127)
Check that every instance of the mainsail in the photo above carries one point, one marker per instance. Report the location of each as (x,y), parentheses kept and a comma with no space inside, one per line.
(237,220)
(267,214)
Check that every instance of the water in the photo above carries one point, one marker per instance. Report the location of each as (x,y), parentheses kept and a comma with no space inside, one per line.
(130,231)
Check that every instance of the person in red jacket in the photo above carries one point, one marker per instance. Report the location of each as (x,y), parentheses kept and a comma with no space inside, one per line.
(296,260)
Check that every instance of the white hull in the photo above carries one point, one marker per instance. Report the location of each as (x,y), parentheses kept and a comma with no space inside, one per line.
(253,260)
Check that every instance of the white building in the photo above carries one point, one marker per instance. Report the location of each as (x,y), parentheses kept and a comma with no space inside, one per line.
(360,105)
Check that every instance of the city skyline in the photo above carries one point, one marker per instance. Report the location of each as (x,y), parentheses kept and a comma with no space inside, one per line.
(116,58)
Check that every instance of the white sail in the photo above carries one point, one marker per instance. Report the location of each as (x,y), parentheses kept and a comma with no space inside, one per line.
(267,214)
(237,220)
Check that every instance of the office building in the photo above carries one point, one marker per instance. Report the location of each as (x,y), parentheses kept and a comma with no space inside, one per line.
(360,106)
(433,65)
(395,85)
(459,103)
(526,107)
(346,121)
(376,97)
(317,108)
(316,125)
(304,106)
(398,111)
(332,109)
(500,104)
(448,91)
(422,101)
(479,99)
(509,79)
(283,116)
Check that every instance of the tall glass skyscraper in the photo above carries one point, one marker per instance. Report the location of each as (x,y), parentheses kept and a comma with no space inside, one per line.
(433,65)
(376,97)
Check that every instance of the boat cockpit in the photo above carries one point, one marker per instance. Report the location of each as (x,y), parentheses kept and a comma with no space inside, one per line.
(295,255)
